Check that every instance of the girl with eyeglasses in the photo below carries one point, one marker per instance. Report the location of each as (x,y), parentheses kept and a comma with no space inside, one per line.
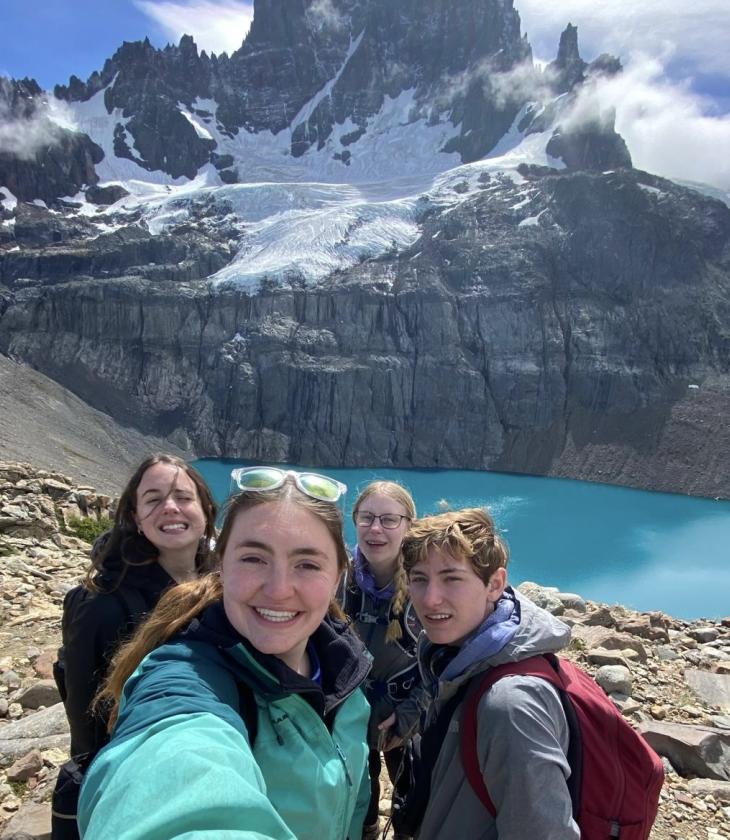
(376,600)
(237,706)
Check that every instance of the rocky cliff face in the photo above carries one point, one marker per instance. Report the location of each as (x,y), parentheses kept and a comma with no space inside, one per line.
(527,327)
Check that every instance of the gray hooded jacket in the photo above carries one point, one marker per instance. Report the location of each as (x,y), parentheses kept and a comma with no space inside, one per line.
(522,740)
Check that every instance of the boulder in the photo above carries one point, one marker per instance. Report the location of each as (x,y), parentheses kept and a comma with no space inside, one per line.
(693,750)
(25,767)
(603,637)
(714,689)
(719,790)
(42,730)
(600,617)
(601,656)
(545,597)
(571,601)
(703,634)
(41,693)
(645,628)
(615,679)
(32,822)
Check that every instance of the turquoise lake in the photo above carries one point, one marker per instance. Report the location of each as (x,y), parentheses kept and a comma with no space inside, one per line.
(649,551)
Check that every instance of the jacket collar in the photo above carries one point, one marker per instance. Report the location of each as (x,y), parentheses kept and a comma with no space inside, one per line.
(344,660)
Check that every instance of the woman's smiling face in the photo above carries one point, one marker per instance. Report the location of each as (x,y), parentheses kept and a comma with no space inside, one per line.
(168,509)
(279,572)
(381,546)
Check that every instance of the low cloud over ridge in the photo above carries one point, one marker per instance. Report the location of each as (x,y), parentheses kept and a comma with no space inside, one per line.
(217,26)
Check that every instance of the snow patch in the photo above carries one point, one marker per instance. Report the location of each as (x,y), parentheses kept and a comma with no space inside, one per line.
(310,107)
(200,130)
(652,190)
(531,221)
(7,199)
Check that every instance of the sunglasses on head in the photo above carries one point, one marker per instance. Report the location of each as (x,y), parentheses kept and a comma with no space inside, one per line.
(261,479)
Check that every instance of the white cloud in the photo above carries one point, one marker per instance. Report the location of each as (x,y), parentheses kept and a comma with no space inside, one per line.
(665,125)
(23,138)
(217,26)
(322,14)
(698,32)
(673,122)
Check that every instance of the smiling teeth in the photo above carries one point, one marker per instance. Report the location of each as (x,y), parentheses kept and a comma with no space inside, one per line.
(179,526)
(438,617)
(275,615)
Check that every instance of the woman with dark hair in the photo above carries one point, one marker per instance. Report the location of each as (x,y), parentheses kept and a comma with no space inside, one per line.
(164,522)
(237,706)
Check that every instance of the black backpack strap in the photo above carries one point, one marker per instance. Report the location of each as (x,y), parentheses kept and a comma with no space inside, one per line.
(134,603)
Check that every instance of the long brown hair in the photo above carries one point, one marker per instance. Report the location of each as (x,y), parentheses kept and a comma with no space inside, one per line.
(399,494)
(182,603)
(124,546)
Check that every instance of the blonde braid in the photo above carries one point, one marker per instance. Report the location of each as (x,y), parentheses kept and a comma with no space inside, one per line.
(398,603)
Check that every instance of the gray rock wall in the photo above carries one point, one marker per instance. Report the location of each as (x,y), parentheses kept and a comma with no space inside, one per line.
(591,344)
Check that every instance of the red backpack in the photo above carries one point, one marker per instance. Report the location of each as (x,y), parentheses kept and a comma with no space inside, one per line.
(615,776)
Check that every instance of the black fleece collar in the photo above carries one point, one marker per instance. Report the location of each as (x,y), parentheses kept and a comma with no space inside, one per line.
(344,661)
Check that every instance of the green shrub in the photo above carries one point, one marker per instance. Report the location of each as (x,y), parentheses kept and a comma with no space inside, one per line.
(88,529)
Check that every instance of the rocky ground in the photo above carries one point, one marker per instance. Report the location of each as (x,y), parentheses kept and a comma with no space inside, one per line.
(670,678)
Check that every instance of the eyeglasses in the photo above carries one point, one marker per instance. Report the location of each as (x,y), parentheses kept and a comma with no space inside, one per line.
(388,521)
(260,479)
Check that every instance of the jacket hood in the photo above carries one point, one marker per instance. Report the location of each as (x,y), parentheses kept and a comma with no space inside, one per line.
(343,659)
(537,632)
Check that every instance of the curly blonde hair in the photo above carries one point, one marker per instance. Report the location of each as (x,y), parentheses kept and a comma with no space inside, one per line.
(468,533)
(399,494)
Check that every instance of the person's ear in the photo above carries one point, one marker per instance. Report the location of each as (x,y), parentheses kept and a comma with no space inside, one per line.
(496,585)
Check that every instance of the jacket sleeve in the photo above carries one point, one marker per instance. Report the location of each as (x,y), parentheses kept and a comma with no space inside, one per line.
(90,639)
(179,764)
(522,740)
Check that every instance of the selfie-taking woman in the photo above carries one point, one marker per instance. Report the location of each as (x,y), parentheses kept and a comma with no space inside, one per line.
(241,713)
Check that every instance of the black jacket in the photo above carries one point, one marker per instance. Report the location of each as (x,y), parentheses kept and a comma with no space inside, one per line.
(94,625)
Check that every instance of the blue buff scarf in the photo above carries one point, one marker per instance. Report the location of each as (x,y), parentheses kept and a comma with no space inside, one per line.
(489,638)
(366,581)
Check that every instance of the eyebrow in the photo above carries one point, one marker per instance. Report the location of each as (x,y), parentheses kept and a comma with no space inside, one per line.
(306,550)
(446,571)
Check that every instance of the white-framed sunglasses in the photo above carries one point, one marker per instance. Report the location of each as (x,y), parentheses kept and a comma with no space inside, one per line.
(261,479)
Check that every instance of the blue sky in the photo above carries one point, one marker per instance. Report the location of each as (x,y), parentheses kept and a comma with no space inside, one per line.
(49,40)
(672,102)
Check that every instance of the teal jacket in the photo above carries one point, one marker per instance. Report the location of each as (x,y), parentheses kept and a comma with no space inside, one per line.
(181,764)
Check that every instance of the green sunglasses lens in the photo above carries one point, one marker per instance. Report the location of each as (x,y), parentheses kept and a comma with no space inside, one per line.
(320,487)
(259,479)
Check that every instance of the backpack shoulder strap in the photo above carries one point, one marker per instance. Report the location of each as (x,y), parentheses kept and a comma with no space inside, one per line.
(133,602)
(534,666)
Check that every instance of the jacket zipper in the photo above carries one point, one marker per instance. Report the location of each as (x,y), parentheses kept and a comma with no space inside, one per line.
(344,764)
